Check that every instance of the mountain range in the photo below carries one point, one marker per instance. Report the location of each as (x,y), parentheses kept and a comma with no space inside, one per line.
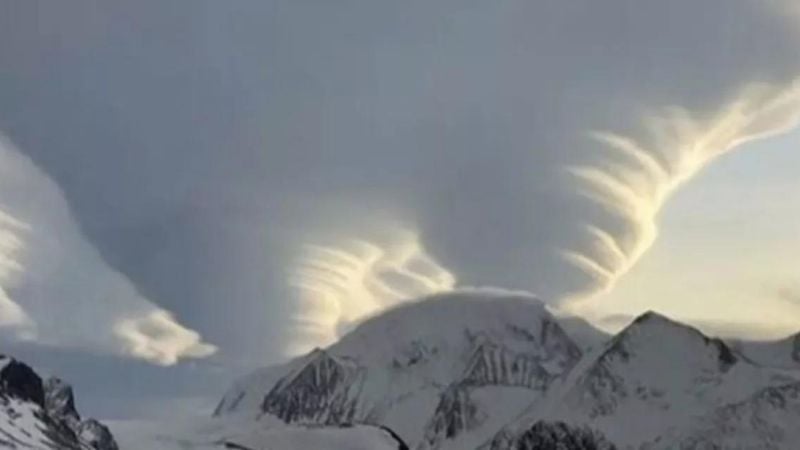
(494,371)
(466,370)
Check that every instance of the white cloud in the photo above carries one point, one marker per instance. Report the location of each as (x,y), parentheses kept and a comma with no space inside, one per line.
(158,337)
(641,173)
(55,288)
(345,282)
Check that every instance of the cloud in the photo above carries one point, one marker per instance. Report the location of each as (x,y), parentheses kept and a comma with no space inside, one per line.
(458,117)
(629,107)
(790,294)
(158,337)
(340,284)
(640,174)
(55,288)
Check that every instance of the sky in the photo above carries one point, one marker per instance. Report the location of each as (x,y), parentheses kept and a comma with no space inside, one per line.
(194,189)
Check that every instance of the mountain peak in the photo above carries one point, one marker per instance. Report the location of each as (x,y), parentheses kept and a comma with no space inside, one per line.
(655,336)
(655,317)
(18,380)
(59,399)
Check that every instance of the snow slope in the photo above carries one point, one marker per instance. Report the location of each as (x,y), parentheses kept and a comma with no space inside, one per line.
(218,434)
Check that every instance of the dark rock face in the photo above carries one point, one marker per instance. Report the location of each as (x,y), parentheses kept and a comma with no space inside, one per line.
(96,435)
(59,400)
(59,403)
(318,392)
(796,348)
(454,414)
(553,436)
(20,381)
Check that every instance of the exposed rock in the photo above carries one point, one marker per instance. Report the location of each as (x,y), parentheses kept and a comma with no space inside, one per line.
(553,436)
(317,392)
(96,435)
(454,414)
(59,401)
(20,381)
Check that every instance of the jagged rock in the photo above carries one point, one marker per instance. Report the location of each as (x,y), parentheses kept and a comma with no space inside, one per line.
(317,392)
(59,401)
(96,435)
(20,381)
(554,436)
(454,414)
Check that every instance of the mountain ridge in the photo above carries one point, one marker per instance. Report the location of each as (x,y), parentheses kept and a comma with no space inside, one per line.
(480,369)
(41,414)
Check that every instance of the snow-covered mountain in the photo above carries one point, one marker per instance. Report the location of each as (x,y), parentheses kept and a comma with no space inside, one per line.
(487,370)
(41,415)
(654,379)
(446,372)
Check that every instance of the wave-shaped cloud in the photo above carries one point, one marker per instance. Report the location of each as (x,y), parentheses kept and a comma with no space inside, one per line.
(55,288)
(345,282)
(640,174)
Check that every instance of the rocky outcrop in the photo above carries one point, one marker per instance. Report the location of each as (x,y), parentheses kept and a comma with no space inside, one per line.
(42,415)
(455,414)
(96,435)
(322,391)
(20,381)
(59,401)
(553,436)
(494,365)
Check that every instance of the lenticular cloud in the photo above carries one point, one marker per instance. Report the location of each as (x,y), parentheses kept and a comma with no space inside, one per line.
(344,282)
(55,288)
(640,173)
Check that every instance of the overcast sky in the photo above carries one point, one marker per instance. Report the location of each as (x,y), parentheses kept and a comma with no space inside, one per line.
(194,189)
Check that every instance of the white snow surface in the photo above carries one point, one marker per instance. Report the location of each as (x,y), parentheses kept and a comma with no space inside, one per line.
(21,426)
(219,433)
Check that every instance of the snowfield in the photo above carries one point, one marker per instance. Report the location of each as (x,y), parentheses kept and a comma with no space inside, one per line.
(218,434)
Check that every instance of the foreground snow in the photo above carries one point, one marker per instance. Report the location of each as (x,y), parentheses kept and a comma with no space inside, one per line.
(216,434)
